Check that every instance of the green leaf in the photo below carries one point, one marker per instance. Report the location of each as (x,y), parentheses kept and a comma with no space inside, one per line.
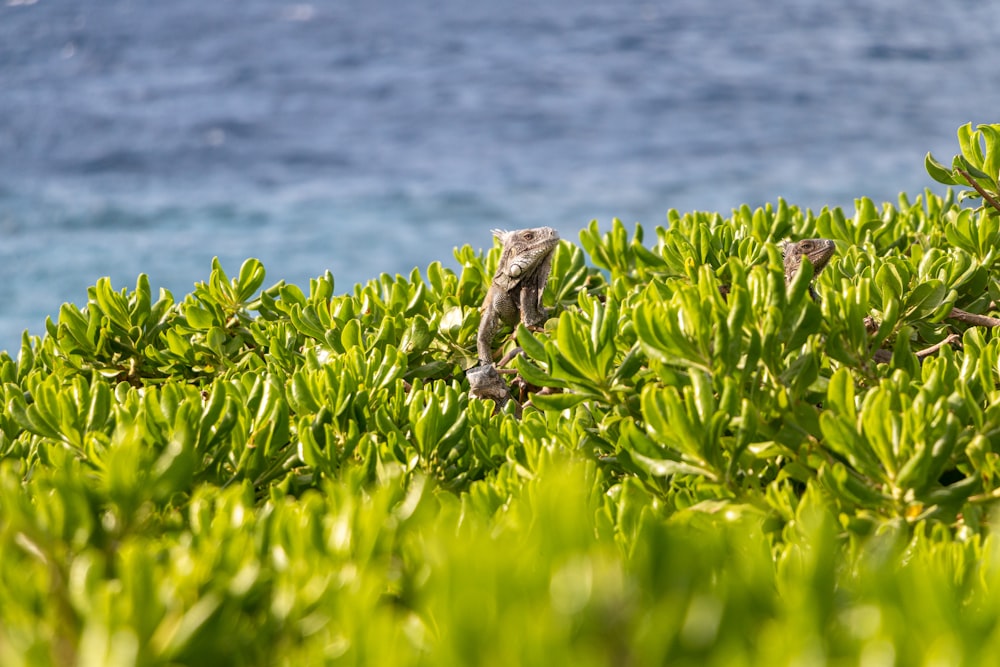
(99,408)
(199,318)
(417,336)
(558,402)
(968,141)
(974,171)
(250,279)
(840,394)
(531,345)
(924,299)
(112,303)
(939,172)
(77,326)
(991,161)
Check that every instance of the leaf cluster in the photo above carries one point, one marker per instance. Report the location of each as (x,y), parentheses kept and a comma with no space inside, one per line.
(977,166)
(719,382)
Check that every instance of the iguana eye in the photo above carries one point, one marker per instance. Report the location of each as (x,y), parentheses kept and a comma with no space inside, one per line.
(529,236)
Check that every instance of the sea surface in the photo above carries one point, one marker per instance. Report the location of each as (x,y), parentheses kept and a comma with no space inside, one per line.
(376,136)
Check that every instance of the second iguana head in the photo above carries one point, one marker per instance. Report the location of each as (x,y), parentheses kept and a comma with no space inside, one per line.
(819,252)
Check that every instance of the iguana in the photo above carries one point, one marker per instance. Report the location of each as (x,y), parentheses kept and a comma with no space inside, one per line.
(819,252)
(515,294)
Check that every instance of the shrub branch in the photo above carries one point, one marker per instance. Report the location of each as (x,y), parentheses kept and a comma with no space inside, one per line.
(973,318)
(982,191)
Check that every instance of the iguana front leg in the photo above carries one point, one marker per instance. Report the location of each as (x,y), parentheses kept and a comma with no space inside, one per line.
(532,312)
(498,309)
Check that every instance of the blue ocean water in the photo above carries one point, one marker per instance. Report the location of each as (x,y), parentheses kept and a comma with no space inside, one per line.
(368,137)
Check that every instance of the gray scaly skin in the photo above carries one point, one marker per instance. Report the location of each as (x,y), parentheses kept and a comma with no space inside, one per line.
(516,291)
(819,252)
(485,382)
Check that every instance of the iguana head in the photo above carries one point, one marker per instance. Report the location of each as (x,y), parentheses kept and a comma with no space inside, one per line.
(819,252)
(524,250)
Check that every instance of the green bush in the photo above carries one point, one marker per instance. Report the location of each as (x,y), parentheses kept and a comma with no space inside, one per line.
(709,466)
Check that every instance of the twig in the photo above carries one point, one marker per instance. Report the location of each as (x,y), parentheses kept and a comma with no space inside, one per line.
(507,358)
(972,318)
(882,356)
(952,338)
(986,195)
